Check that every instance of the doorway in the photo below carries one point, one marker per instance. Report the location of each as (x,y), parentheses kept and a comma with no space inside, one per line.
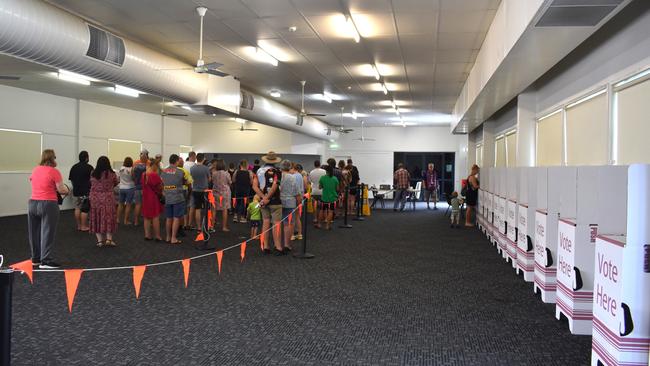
(416,163)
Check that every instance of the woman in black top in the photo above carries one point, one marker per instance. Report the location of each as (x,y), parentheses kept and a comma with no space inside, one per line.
(472,194)
(241,181)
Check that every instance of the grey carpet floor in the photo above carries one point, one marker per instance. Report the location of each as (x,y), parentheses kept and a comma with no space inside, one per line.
(399,288)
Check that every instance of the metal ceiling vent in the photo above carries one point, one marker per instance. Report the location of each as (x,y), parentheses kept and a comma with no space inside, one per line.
(577,13)
(105,47)
(246,100)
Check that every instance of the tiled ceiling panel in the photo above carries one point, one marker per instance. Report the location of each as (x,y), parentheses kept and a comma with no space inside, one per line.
(423,49)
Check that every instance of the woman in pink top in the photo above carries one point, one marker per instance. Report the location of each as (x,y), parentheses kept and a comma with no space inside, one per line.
(43,209)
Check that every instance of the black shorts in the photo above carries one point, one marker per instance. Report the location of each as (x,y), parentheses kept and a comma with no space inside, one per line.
(327,206)
(199,200)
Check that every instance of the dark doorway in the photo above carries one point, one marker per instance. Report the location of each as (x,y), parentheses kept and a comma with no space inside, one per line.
(416,163)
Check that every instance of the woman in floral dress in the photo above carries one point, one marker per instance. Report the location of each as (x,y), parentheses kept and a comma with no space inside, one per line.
(103,218)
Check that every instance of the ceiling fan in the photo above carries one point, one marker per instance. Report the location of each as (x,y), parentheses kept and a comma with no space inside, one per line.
(164,114)
(302,113)
(340,128)
(201,66)
(363,138)
(241,128)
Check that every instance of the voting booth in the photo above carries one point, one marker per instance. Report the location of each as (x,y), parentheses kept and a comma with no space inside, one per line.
(597,202)
(550,182)
(501,212)
(621,302)
(512,192)
(490,206)
(526,204)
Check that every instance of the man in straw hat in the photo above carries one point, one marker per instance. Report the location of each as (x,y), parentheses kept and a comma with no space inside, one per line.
(266,184)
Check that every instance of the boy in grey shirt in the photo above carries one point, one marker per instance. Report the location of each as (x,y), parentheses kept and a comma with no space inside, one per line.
(173,180)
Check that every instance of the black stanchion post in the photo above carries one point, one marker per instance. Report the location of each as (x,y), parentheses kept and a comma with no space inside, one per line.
(303,253)
(345,214)
(359,202)
(6,284)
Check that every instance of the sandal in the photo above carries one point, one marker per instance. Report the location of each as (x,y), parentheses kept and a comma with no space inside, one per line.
(111,243)
(175,242)
(100,244)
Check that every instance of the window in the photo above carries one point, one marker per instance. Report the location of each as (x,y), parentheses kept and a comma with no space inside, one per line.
(120,149)
(549,140)
(587,130)
(20,151)
(500,151)
(479,155)
(184,151)
(511,149)
(631,123)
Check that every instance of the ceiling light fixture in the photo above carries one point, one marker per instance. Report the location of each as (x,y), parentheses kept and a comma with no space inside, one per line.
(327,98)
(384,88)
(73,77)
(293,29)
(354,115)
(352,29)
(187,107)
(275,94)
(123,90)
(265,57)
(375,72)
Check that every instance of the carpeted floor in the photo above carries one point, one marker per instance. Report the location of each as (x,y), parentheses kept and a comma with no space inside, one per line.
(399,288)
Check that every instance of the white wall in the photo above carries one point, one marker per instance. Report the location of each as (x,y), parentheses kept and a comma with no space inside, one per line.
(375,158)
(69,126)
(223,136)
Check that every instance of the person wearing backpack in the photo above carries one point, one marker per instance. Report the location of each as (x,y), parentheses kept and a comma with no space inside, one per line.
(471,194)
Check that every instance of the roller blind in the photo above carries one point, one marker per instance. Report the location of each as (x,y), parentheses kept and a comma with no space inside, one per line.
(587,130)
(479,155)
(633,123)
(511,149)
(120,149)
(184,149)
(500,151)
(19,150)
(549,140)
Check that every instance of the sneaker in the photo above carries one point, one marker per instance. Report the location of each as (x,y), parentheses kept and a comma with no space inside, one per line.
(293,237)
(49,265)
(36,263)
(243,221)
(299,237)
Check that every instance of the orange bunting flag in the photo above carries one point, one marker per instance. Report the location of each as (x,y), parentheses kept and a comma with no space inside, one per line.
(138,273)
(186,270)
(262,238)
(278,228)
(300,210)
(210,223)
(72,277)
(200,237)
(220,201)
(219,257)
(25,267)
(243,251)
(234,202)
(211,197)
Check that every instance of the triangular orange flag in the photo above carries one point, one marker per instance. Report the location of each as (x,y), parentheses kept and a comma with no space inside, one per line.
(278,228)
(243,251)
(210,223)
(186,270)
(219,257)
(262,239)
(200,237)
(72,277)
(138,273)
(26,267)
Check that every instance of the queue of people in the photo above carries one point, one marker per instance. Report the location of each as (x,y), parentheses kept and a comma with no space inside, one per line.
(143,191)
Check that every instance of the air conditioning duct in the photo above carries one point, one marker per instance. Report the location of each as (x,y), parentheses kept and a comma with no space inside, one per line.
(39,32)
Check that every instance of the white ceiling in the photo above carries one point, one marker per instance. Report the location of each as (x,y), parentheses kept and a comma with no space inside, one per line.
(424,48)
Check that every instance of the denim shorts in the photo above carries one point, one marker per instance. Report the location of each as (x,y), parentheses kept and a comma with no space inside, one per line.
(137,196)
(175,210)
(127,196)
(254,223)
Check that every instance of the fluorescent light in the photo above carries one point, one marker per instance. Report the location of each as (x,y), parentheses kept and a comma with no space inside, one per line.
(384,88)
(354,115)
(186,107)
(275,94)
(633,78)
(352,29)
(73,77)
(265,57)
(123,90)
(327,98)
(375,72)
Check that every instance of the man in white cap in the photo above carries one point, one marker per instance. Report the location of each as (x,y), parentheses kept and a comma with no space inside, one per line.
(266,184)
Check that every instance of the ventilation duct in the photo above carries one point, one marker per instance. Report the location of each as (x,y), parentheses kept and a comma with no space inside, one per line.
(39,32)
(577,13)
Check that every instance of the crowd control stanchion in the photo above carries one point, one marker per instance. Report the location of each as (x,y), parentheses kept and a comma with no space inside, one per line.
(345,214)
(303,253)
(358,204)
(6,284)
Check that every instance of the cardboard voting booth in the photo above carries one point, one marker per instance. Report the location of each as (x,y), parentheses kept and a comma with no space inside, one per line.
(596,202)
(550,182)
(527,201)
(490,206)
(512,192)
(501,212)
(621,302)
